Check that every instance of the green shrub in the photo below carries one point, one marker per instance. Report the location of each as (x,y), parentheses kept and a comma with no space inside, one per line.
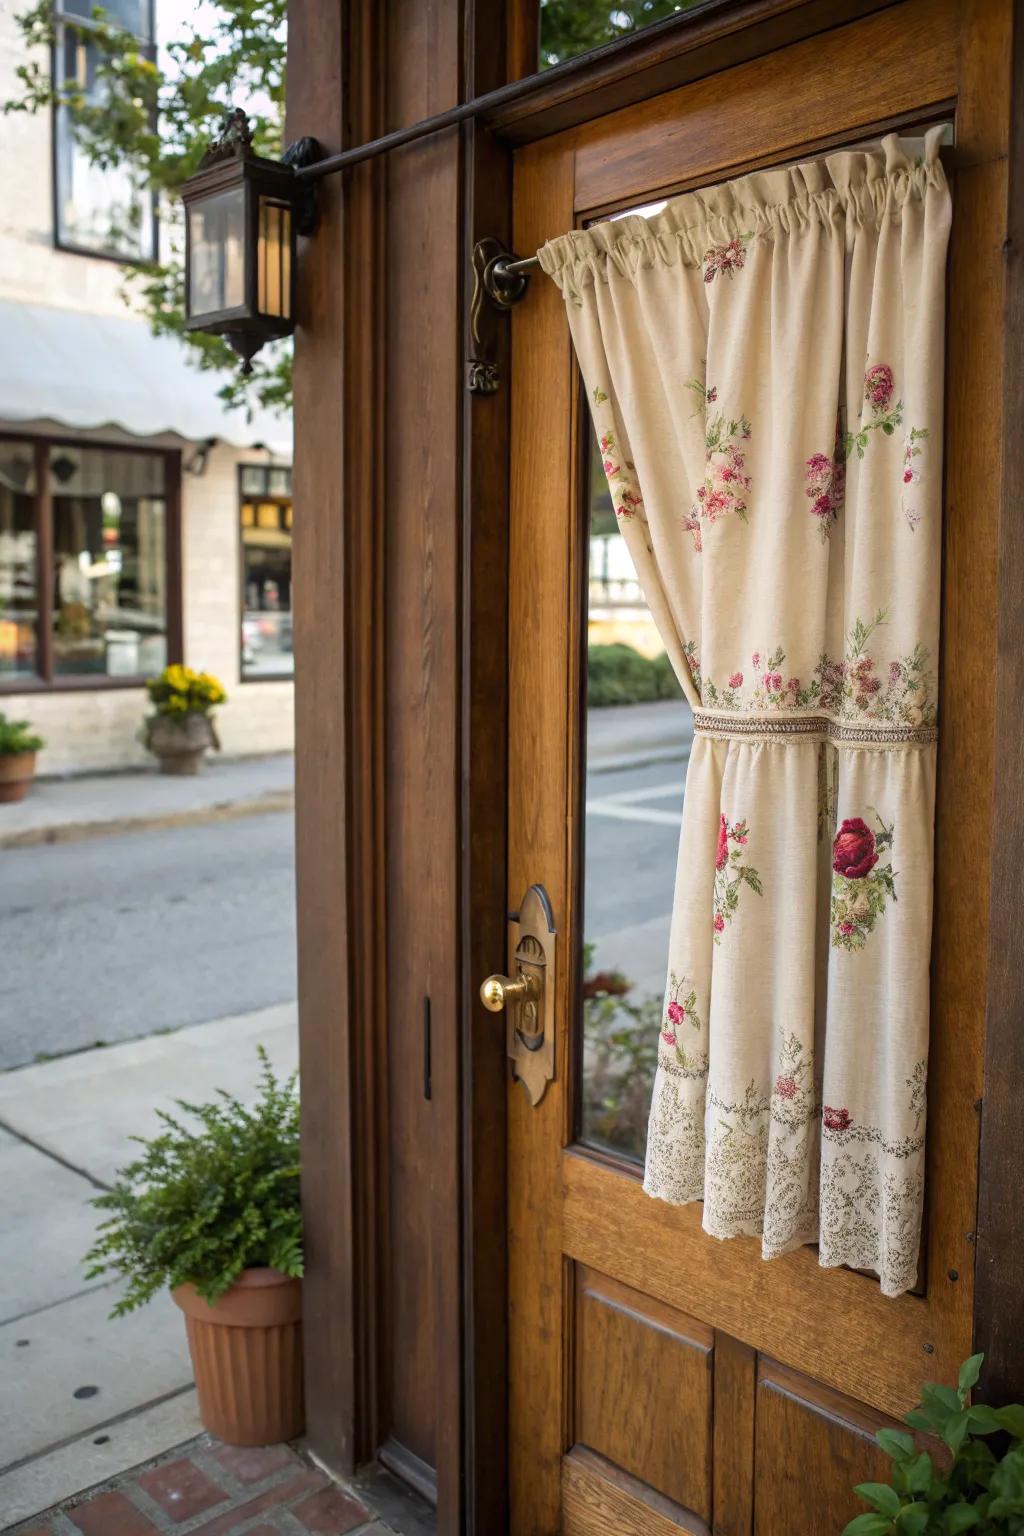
(977,1491)
(15,737)
(203,1204)
(617,674)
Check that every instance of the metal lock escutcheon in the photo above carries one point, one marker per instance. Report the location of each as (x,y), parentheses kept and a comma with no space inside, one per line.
(528,995)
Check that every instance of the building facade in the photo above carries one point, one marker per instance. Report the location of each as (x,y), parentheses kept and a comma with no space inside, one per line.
(141,521)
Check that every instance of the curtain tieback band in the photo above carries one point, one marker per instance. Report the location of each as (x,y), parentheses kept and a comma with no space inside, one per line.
(707,723)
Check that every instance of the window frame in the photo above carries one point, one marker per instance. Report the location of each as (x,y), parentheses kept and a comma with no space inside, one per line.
(45,680)
(148,47)
(245,678)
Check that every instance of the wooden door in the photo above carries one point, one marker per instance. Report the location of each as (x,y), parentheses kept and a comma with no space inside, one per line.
(660,1380)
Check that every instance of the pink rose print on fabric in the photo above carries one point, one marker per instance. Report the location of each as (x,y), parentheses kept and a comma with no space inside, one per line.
(731,873)
(680,1015)
(863,880)
(878,386)
(836,1119)
(853,852)
(724,260)
(825,484)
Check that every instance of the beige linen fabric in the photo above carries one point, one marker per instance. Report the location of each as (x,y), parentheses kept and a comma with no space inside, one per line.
(764,366)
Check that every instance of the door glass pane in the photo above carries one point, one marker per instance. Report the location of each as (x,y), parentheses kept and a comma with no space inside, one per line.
(110,562)
(18,604)
(570,27)
(639,730)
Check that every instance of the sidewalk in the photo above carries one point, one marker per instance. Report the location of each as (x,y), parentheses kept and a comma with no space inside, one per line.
(633,735)
(206,1488)
(83,1398)
(63,809)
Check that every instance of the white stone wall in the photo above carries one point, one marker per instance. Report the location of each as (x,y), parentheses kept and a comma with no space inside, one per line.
(31,269)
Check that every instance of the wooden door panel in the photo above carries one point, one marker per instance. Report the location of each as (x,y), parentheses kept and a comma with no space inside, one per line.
(599,1499)
(643,1388)
(677,1383)
(812,1448)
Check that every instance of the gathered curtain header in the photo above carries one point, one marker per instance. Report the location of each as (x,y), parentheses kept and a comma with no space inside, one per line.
(843,190)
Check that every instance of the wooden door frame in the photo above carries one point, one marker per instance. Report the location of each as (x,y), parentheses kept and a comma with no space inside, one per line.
(338,56)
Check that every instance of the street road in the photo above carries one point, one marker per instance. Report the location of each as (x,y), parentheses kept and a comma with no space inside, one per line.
(115,937)
(632,838)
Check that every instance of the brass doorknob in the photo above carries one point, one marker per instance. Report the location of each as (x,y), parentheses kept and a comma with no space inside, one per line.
(498,991)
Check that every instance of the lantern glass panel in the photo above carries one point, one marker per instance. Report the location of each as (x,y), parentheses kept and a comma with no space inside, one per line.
(274,259)
(217,252)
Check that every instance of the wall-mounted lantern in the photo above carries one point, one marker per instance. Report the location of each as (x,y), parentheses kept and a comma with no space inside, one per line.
(242,215)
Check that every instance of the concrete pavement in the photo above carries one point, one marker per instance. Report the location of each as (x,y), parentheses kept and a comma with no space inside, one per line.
(80,1396)
(56,810)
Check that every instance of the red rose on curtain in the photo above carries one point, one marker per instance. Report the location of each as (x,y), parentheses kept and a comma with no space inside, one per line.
(853,852)
(723,844)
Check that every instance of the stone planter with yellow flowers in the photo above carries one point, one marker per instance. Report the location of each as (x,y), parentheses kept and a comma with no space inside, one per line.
(181,727)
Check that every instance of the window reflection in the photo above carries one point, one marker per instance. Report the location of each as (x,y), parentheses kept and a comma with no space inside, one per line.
(266,515)
(17,560)
(571,27)
(639,730)
(110,562)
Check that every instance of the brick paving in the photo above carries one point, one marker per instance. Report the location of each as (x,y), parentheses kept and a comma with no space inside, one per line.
(208,1489)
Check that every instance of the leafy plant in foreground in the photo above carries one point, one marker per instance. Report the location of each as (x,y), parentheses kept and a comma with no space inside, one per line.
(202,1204)
(974,1491)
(16,736)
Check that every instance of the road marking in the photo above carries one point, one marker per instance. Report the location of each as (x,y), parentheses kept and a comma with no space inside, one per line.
(622,812)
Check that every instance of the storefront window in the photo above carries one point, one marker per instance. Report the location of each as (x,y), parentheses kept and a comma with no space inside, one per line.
(109,562)
(266,518)
(85,563)
(18,609)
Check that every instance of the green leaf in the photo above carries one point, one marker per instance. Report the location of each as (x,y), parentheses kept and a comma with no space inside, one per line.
(1011,1418)
(868,1525)
(940,1400)
(919,1473)
(959,1517)
(913,1519)
(883,1498)
(954,1431)
(970,1371)
(895,1443)
(983,1420)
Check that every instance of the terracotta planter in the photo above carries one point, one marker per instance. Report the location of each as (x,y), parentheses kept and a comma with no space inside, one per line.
(180,744)
(16,771)
(247,1357)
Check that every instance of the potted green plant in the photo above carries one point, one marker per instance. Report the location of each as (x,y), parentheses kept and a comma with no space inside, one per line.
(181,727)
(18,748)
(211,1210)
(969,1488)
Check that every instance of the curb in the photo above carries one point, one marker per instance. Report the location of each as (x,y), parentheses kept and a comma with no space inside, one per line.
(640,759)
(76,831)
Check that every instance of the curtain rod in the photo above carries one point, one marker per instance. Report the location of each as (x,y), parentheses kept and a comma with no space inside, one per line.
(504,95)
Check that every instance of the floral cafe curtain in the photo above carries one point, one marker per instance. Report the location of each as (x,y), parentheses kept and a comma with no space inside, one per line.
(764,366)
